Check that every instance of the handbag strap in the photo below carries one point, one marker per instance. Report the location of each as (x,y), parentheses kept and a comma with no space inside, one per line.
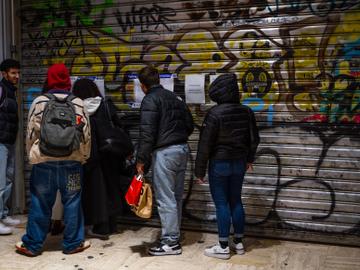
(108,114)
(140,177)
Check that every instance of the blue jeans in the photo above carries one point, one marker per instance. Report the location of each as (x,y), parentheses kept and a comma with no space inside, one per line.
(225,180)
(7,176)
(46,179)
(169,166)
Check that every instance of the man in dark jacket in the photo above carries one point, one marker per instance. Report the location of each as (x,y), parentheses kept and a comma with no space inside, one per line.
(228,140)
(10,71)
(166,124)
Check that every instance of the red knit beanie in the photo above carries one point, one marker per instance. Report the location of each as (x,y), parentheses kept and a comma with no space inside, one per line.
(58,77)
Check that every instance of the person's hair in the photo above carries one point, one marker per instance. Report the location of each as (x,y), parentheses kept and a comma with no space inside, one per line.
(149,76)
(85,88)
(9,63)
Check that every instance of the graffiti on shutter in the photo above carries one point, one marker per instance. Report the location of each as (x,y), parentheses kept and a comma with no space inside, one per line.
(297,64)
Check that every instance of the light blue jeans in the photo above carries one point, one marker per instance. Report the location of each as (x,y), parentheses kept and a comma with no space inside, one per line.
(169,166)
(7,176)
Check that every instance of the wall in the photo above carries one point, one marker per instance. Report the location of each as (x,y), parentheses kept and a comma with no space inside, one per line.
(297,64)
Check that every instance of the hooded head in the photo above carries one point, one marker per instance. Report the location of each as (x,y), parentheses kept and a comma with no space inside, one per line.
(58,77)
(225,89)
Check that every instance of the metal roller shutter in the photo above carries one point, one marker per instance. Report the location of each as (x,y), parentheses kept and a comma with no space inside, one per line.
(297,64)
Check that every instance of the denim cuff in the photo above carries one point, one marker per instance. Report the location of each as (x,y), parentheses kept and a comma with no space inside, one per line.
(223,239)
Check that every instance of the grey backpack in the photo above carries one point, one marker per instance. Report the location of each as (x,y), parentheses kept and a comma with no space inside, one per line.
(59,133)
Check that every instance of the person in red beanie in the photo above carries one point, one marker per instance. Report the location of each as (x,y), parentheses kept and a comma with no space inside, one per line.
(58,78)
(54,169)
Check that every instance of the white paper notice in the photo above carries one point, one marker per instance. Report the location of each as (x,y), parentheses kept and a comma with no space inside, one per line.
(167,82)
(73,79)
(213,77)
(195,88)
(99,81)
(139,94)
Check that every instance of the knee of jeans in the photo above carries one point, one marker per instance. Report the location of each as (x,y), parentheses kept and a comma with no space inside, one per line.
(167,208)
(42,219)
(222,207)
(235,200)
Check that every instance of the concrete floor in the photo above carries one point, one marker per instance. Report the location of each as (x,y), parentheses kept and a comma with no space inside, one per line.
(127,250)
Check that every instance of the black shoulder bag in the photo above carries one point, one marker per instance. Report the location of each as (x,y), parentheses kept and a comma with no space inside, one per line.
(114,140)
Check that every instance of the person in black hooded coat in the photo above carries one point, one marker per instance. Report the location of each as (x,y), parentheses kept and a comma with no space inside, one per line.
(105,179)
(228,141)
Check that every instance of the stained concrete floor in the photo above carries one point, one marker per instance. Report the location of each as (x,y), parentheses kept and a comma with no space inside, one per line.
(127,250)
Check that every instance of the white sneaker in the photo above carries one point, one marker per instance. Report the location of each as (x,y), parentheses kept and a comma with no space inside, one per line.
(165,249)
(4,230)
(238,248)
(217,251)
(9,221)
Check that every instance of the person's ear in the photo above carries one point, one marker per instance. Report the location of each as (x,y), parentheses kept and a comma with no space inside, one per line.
(143,88)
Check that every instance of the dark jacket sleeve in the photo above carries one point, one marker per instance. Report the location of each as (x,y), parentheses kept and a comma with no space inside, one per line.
(208,137)
(189,121)
(254,137)
(149,122)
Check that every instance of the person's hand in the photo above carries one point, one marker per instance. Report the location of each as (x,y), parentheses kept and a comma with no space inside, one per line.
(200,181)
(140,168)
(249,167)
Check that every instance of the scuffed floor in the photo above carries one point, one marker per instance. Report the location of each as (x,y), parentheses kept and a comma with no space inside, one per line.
(127,250)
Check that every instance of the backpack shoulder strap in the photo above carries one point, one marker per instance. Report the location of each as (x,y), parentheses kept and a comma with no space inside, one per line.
(50,96)
(71,97)
(62,100)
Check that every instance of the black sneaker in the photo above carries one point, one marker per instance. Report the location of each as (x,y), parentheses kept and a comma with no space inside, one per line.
(165,249)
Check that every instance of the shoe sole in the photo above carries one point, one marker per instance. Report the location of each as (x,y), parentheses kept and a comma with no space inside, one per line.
(104,238)
(176,252)
(25,252)
(77,250)
(12,225)
(98,236)
(6,233)
(217,255)
(238,251)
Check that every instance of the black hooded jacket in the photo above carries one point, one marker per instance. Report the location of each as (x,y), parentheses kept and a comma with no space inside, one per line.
(229,129)
(8,113)
(165,120)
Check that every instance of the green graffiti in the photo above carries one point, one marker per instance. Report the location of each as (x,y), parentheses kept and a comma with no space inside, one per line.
(340,103)
(55,14)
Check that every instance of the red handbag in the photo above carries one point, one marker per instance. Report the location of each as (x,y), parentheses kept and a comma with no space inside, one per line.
(133,193)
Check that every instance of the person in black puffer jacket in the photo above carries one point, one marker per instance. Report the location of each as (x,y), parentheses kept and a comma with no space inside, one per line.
(165,125)
(228,141)
(10,71)
(165,121)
